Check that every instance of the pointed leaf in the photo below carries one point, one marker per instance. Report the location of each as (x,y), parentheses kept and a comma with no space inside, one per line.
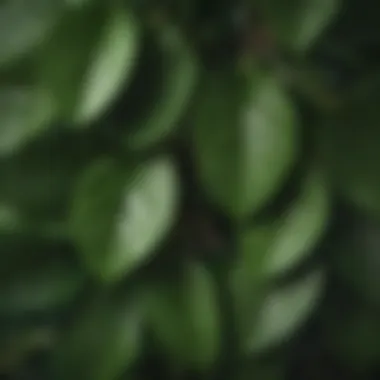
(120,214)
(283,312)
(245,140)
(179,78)
(111,66)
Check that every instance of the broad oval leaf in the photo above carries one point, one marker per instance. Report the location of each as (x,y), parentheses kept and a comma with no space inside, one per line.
(103,342)
(283,312)
(184,318)
(119,214)
(111,65)
(245,140)
(24,114)
(179,71)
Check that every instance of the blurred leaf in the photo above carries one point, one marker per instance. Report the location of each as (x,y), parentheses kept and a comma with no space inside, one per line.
(36,183)
(103,342)
(184,317)
(353,337)
(120,214)
(270,250)
(25,24)
(355,260)
(245,140)
(63,60)
(40,288)
(298,23)
(301,227)
(112,64)
(283,312)
(179,73)
(24,113)
(348,145)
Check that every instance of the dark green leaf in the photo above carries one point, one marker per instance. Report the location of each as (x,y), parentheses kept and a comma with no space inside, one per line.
(184,317)
(103,342)
(245,140)
(179,78)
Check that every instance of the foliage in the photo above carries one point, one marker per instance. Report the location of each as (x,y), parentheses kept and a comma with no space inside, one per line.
(190,186)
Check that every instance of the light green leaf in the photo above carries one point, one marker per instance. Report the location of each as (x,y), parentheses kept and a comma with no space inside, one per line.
(179,71)
(245,140)
(120,215)
(111,66)
(283,312)
(301,228)
(103,343)
(184,317)
(24,114)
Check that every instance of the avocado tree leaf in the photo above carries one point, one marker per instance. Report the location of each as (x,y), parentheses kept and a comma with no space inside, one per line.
(103,342)
(180,73)
(24,26)
(119,214)
(111,65)
(24,114)
(184,318)
(245,140)
(283,312)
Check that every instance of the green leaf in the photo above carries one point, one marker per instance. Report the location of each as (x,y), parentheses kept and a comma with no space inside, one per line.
(298,23)
(179,72)
(184,318)
(271,250)
(283,312)
(103,342)
(63,60)
(24,114)
(40,288)
(120,215)
(245,140)
(25,25)
(111,66)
